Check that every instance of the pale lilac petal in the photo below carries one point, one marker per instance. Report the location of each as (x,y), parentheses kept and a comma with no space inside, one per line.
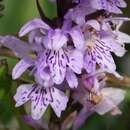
(41,64)
(19,47)
(23,94)
(76,61)
(35,38)
(32,25)
(104,106)
(78,13)
(57,64)
(59,102)
(46,83)
(103,55)
(89,62)
(40,103)
(71,78)
(110,6)
(78,38)
(21,67)
(122,37)
(94,23)
(106,62)
(120,3)
(109,102)
(55,39)
(116,47)
(118,94)
(41,98)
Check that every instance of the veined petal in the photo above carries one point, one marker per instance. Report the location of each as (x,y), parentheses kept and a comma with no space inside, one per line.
(40,102)
(21,67)
(116,47)
(57,64)
(59,102)
(103,55)
(89,62)
(23,94)
(19,47)
(71,78)
(32,25)
(75,61)
(42,97)
(78,38)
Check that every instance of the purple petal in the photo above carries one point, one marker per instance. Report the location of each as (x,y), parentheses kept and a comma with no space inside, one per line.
(120,3)
(39,105)
(116,47)
(110,6)
(55,40)
(94,23)
(78,38)
(109,102)
(103,55)
(122,37)
(57,64)
(78,13)
(32,25)
(60,101)
(22,94)
(71,78)
(20,48)
(89,62)
(21,67)
(76,61)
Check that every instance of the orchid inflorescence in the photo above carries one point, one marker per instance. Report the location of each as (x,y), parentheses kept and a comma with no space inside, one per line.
(69,57)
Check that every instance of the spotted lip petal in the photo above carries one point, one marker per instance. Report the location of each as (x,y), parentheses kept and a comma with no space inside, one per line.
(104,57)
(41,97)
(100,54)
(116,46)
(89,62)
(22,94)
(57,63)
(32,25)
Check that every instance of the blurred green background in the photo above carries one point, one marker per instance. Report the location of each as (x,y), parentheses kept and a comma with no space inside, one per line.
(17,13)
